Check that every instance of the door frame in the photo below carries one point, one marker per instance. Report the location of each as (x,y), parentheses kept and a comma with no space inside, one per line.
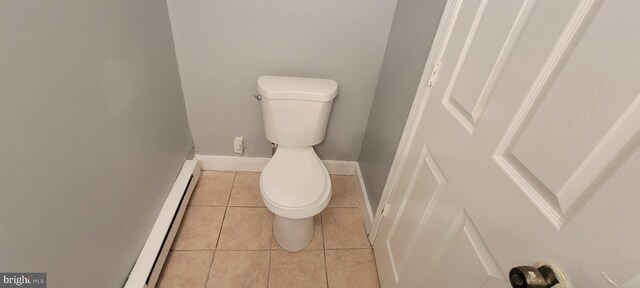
(429,74)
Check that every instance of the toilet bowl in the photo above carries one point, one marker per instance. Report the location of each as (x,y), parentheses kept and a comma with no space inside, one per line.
(295,184)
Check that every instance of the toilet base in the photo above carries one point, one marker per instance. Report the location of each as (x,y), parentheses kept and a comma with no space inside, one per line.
(293,234)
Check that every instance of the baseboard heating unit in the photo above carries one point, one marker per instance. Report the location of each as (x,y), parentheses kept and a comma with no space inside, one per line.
(151,259)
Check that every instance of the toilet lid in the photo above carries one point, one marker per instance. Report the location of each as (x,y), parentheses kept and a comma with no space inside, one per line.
(294,178)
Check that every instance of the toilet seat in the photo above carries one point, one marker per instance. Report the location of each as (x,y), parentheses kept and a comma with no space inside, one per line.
(295,184)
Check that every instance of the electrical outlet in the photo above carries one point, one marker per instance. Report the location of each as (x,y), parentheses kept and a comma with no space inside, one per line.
(238,145)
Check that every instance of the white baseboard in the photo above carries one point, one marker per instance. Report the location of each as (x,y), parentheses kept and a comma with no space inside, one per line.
(256,164)
(337,167)
(365,205)
(232,163)
(154,252)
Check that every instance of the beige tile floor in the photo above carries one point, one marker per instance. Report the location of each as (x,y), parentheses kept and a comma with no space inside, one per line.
(225,241)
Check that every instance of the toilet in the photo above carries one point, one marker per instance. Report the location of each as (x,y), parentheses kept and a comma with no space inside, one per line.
(295,185)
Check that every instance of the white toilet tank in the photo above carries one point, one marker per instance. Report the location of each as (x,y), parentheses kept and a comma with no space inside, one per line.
(296,109)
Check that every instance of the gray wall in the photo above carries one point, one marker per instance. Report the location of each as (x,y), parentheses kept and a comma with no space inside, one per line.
(93,132)
(414,26)
(223,46)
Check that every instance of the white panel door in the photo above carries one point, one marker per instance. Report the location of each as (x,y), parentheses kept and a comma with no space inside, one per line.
(524,148)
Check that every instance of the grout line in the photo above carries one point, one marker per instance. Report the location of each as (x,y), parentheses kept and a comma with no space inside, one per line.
(224,217)
(194,250)
(324,254)
(273,236)
(233,183)
(206,205)
(243,250)
(221,171)
(270,253)
(269,268)
(232,250)
(326,271)
(210,267)
(348,248)
(322,230)
(272,249)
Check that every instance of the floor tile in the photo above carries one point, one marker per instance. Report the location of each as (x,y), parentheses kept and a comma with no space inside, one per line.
(188,269)
(301,269)
(246,229)
(213,188)
(348,268)
(247,254)
(316,242)
(246,190)
(343,228)
(343,192)
(239,269)
(200,228)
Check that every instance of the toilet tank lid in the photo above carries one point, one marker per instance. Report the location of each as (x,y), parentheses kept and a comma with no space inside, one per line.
(297,88)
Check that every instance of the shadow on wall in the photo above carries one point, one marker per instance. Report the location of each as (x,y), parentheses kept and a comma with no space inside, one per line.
(414,27)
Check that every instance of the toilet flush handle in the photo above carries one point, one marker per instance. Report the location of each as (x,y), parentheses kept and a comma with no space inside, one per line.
(258,97)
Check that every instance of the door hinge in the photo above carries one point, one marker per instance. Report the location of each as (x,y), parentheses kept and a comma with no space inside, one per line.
(434,73)
(385,209)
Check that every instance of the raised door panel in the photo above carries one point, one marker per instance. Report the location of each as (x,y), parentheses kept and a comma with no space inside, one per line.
(609,222)
(633,283)
(468,262)
(489,41)
(426,186)
(460,258)
(570,128)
